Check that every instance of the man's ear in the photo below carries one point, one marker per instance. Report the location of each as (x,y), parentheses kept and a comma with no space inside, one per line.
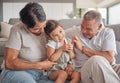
(100,26)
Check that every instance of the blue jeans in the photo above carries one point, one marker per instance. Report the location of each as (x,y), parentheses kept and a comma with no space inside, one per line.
(29,76)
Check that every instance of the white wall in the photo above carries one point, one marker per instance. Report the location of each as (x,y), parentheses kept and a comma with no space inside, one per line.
(53,10)
(103,11)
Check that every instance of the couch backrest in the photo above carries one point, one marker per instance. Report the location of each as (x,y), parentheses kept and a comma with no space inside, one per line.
(12,21)
(0,26)
(68,23)
(116,28)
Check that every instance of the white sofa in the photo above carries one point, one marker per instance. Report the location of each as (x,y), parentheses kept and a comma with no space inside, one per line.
(67,25)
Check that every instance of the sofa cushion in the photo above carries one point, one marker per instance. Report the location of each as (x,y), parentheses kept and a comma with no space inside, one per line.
(116,28)
(118,50)
(5,30)
(71,31)
(67,23)
(13,21)
(2,46)
(1,60)
(0,27)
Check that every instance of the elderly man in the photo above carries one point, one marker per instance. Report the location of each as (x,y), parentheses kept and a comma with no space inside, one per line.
(95,51)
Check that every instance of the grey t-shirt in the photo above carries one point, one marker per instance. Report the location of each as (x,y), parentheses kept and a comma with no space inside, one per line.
(31,47)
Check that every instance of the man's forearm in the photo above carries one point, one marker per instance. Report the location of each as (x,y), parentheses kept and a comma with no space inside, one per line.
(88,52)
(21,65)
(107,54)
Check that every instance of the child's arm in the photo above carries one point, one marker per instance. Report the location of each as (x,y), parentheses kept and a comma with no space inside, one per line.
(70,50)
(71,54)
(53,54)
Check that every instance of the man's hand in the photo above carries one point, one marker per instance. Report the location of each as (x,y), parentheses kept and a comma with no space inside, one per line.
(77,42)
(46,65)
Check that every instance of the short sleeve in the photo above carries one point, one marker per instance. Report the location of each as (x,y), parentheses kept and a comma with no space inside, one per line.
(14,40)
(109,41)
(51,44)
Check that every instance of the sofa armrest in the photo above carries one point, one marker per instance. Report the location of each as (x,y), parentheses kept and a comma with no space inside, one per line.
(118,50)
(116,28)
(2,46)
(0,27)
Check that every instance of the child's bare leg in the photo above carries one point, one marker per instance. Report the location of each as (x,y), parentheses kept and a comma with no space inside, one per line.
(75,77)
(59,76)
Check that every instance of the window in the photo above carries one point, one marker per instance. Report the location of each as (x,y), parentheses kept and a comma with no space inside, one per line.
(114,14)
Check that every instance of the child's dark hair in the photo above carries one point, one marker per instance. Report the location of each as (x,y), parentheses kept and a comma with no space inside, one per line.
(50,26)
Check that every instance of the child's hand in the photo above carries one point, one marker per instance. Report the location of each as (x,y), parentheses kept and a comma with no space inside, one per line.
(67,47)
(69,69)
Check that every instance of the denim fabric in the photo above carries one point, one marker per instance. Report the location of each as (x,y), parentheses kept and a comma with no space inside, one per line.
(29,76)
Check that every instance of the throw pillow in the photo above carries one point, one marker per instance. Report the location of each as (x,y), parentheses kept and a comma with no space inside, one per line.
(5,30)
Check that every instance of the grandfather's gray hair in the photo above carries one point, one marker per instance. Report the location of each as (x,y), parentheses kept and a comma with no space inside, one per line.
(93,15)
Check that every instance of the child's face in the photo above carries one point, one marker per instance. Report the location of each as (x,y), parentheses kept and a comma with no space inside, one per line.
(58,34)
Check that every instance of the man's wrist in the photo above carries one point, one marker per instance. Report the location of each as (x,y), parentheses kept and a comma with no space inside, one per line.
(82,50)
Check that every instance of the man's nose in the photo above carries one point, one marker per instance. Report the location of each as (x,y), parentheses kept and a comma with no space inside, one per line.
(42,30)
(84,30)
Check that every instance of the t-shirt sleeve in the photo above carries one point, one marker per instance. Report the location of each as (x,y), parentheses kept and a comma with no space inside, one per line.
(109,41)
(51,44)
(14,40)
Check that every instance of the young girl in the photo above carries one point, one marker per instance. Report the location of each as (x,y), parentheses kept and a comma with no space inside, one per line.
(60,50)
